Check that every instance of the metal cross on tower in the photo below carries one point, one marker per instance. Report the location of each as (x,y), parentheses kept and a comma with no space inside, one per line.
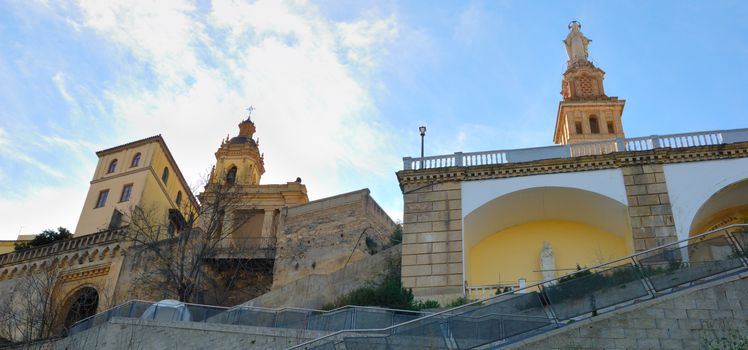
(249,111)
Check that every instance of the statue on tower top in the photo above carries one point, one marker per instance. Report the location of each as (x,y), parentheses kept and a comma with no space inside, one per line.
(576,44)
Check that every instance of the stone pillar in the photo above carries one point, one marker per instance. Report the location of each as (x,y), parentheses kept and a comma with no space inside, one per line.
(649,206)
(432,241)
(267,224)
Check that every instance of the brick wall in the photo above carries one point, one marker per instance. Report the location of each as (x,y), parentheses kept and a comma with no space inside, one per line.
(649,206)
(432,241)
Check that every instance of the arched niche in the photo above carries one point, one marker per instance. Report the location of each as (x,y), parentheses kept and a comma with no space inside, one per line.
(504,237)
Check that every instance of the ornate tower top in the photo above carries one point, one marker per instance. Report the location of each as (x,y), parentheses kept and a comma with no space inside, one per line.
(238,160)
(586,113)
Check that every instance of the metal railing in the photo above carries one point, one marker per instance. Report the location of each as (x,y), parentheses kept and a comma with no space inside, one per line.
(346,317)
(537,308)
(459,159)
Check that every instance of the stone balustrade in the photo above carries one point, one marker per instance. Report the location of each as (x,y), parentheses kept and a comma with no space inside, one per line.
(459,159)
(102,237)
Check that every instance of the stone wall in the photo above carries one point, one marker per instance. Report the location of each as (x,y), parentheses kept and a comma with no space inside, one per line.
(649,206)
(126,333)
(683,320)
(322,236)
(314,291)
(432,241)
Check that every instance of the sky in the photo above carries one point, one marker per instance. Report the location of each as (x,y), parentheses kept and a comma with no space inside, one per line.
(339,87)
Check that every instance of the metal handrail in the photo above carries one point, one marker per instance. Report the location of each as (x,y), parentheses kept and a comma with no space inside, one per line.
(248,307)
(527,288)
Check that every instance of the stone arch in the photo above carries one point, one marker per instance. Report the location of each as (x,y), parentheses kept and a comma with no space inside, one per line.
(503,238)
(728,205)
(691,185)
(79,304)
(725,207)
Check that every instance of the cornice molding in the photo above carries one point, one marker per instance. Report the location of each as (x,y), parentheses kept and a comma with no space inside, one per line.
(573,164)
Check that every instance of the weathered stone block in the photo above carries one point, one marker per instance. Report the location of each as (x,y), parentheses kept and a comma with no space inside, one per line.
(657,188)
(417,207)
(439,269)
(432,196)
(632,170)
(664,198)
(643,179)
(432,237)
(439,247)
(639,211)
(421,248)
(431,281)
(648,199)
(454,280)
(445,186)
(636,190)
(423,259)
(652,168)
(438,258)
(417,227)
(416,270)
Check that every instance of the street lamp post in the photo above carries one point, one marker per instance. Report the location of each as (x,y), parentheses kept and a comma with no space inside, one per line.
(423,133)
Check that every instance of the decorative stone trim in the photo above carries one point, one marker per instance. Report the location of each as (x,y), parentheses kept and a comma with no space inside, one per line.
(85,272)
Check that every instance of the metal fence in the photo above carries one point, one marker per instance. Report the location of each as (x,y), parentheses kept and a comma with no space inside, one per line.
(347,317)
(535,309)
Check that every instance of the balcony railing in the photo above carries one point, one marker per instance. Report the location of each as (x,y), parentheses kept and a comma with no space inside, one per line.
(509,317)
(459,159)
(102,237)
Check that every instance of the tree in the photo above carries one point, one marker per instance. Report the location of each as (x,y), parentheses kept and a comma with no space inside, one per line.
(47,236)
(192,258)
(30,312)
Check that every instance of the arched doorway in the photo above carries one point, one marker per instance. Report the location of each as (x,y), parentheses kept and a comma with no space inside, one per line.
(504,238)
(82,304)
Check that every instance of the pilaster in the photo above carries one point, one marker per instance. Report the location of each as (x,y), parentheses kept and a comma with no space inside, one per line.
(649,206)
(432,241)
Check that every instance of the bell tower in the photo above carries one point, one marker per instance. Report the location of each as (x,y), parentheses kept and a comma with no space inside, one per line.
(238,160)
(585,113)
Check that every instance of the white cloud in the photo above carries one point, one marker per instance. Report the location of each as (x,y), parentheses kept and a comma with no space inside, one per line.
(42,208)
(315,116)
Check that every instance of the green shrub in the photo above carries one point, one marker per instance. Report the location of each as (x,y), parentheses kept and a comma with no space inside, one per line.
(457,302)
(397,235)
(389,293)
(426,304)
(46,237)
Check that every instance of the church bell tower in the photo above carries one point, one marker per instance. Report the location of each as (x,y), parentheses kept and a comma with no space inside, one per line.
(585,113)
(238,160)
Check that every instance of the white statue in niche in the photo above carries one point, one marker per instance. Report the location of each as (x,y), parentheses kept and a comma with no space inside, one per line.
(547,262)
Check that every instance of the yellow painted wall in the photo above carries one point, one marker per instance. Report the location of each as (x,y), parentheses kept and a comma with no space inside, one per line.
(514,253)
(148,190)
(7,246)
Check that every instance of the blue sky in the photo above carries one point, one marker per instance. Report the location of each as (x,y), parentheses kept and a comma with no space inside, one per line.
(339,87)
